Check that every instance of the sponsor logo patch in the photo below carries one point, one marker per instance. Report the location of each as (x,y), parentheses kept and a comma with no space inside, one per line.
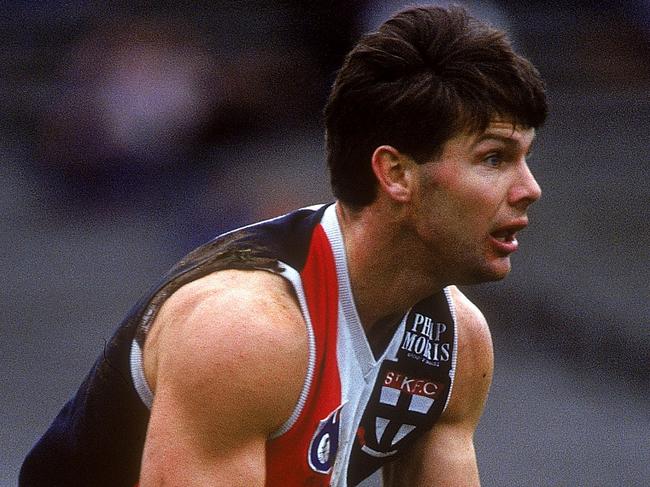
(423,341)
(412,385)
(423,392)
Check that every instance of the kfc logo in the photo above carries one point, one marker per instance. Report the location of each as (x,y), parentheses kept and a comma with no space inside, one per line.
(410,385)
(422,392)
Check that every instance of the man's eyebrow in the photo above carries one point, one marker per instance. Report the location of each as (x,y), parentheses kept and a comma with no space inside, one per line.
(499,138)
(505,139)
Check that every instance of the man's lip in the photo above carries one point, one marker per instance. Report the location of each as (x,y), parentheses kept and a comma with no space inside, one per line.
(509,231)
(504,246)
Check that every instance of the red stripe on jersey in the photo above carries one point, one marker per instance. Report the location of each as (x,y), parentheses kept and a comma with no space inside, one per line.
(287,457)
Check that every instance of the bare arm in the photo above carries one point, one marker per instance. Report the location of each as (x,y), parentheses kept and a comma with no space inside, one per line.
(445,457)
(217,359)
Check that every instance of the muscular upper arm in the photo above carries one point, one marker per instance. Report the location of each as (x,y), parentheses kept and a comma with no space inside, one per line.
(218,359)
(445,456)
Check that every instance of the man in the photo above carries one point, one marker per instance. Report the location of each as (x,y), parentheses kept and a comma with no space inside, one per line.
(318,347)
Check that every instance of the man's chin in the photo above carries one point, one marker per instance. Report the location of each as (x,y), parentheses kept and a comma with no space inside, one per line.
(489,273)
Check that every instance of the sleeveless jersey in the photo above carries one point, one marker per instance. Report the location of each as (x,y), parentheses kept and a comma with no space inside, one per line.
(355,413)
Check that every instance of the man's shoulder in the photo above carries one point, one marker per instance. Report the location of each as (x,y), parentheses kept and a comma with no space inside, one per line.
(474,337)
(232,309)
(233,293)
(475,360)
(233,328)
(469,317)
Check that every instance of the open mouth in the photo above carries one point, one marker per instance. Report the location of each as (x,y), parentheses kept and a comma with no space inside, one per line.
(504,239)
(504,235)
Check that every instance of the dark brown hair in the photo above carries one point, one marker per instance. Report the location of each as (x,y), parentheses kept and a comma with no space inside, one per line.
(426,75)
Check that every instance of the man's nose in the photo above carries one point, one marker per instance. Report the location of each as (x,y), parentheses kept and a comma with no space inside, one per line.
(526,190)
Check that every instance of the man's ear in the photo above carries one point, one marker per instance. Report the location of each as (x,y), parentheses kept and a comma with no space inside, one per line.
(394,172)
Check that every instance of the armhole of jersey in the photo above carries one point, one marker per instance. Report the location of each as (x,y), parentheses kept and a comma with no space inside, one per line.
(454,352)
(293,276)
(137,375)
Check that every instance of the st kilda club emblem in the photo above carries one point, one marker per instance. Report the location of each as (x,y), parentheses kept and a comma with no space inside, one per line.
(325,443)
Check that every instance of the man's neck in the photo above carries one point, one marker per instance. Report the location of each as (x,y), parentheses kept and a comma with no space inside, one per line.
(386,271)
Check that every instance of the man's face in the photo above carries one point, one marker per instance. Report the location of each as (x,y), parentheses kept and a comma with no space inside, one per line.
(472,200)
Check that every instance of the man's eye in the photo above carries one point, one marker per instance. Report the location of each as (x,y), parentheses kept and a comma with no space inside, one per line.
(493,160)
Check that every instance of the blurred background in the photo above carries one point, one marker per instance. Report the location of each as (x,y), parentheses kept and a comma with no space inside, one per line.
(129,134)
